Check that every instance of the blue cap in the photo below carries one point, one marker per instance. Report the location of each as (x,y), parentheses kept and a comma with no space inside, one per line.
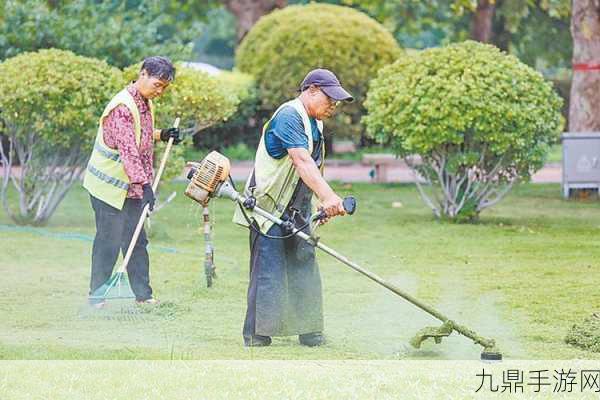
(328,83)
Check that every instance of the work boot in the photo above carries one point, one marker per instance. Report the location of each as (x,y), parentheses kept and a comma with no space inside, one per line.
(311,339)
(257,341)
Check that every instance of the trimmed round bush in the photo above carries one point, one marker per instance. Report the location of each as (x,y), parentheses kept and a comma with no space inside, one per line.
(238,131)
(55,95)
(50,104)
(286,44)
(240,84)
(480,119)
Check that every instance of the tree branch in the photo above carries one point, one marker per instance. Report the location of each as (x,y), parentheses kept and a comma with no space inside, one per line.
(488,203)
(6,176)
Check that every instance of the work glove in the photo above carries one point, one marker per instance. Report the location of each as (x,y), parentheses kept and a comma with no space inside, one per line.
(166,134)
(148,196)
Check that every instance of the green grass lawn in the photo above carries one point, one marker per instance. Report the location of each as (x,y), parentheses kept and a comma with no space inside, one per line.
(523,276)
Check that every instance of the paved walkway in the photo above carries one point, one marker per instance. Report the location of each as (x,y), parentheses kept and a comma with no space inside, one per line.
(346,171)
(356,172)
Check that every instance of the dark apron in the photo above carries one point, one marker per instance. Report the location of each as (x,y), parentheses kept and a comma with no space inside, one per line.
(284,294)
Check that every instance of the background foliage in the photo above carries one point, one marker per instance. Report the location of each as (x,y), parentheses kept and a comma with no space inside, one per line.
(119,32)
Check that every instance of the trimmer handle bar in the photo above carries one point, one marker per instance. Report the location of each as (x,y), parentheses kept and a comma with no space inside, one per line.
(349,204)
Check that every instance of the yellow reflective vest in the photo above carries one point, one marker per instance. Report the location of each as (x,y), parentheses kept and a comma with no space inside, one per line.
(105,176)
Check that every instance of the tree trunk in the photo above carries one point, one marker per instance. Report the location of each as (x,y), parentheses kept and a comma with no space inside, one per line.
(482,23)
(501,36)
(5,146)
(247,12)
(584,112)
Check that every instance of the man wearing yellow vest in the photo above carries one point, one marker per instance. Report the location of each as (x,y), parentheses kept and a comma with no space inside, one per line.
(119,176)
(284,293)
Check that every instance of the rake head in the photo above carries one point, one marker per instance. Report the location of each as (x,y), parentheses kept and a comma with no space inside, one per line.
(117,287)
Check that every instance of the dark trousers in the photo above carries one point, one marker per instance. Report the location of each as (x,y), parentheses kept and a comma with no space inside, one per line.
(284,291)
(249,329)
(114,229)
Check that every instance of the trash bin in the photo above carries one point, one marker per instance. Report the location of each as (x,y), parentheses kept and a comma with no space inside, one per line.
(581,161)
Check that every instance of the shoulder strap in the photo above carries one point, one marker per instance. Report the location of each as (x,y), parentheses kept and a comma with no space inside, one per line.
(252,182)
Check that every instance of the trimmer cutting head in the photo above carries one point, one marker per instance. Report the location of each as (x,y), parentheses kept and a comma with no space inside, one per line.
(437,333)
(491,354)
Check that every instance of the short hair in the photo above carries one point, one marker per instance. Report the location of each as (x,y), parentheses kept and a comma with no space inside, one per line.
(159,67)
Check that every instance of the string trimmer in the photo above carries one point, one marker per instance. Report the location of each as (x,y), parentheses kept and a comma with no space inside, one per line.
(210,178)
(117,286)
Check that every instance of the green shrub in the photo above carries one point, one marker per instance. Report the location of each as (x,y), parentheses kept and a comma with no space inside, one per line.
(50,103)
(239,84)
(241,127)
(479,119)
(286,44)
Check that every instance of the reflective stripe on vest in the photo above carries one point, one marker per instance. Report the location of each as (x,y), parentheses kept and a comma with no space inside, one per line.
(108,179)
(106,153)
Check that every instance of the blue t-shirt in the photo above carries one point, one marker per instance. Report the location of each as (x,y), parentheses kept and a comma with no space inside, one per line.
(286,131)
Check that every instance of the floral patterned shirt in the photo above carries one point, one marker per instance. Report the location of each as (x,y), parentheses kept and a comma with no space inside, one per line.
(119,134)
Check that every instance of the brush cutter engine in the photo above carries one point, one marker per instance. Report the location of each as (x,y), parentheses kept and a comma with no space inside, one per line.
(210,178)
(207,176)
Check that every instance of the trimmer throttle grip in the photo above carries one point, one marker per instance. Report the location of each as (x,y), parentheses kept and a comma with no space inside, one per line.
(349,204)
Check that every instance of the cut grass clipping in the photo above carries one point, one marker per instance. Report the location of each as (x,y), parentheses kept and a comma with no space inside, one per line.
(586,335)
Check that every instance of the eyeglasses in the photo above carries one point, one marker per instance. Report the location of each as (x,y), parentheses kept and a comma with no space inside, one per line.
(331,101)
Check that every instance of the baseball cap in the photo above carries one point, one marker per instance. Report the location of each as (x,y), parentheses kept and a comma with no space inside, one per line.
(328,83)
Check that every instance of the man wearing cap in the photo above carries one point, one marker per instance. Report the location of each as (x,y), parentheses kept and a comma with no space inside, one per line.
(284,292)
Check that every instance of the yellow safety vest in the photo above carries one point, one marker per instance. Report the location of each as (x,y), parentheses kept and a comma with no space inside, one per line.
(105,176)
(276,179)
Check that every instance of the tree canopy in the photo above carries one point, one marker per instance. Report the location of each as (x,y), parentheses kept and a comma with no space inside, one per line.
(116,31)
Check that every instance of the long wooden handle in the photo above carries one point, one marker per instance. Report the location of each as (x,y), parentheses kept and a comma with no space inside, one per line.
(161,168)
(142,219)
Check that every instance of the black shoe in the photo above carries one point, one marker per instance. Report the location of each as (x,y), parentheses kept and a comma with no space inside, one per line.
(311,339)
(257,341)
